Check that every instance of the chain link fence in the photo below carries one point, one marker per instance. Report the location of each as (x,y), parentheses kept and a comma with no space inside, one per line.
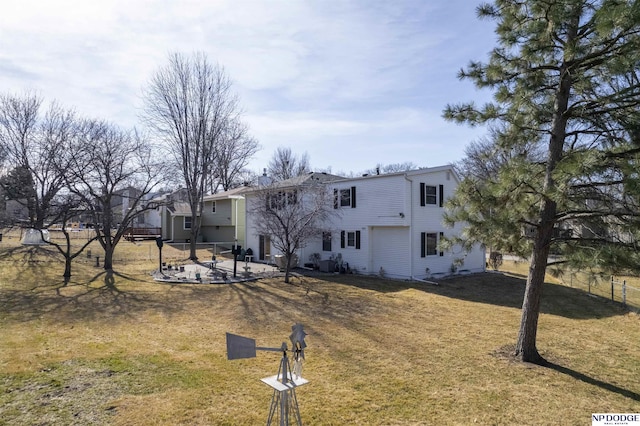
(625,290)
(621,289)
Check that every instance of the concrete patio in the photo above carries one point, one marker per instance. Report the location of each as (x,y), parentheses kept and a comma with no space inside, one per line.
(220,272)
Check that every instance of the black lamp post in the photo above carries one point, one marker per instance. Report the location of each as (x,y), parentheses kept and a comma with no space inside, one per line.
(159,243)
(236,251)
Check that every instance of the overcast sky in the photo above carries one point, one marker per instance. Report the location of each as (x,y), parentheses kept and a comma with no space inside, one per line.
(353,83)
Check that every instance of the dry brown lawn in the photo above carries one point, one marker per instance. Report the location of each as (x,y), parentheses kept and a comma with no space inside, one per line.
(125,350)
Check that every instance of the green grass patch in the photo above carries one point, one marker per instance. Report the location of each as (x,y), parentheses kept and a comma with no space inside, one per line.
(125,350)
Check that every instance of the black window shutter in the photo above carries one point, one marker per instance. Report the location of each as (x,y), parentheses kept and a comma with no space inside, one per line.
(357,239)
(335,198)
(342,239)
(422,195)
(353,197)
(423,244)
(441,236)
(441,188)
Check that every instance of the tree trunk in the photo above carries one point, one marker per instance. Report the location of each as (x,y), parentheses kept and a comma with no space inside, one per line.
(193,237)
(526,344)
(526,349)
(67,266)
(108,257)
(193,253)
(287,269)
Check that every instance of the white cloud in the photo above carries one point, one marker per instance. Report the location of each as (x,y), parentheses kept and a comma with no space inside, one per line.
(330,76)
(349,143)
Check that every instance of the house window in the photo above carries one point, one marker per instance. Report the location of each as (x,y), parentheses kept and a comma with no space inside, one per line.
(350,239)
(326,241)
(344,197)
(275,201)
(292,198)
(187,222)
(431,195)
(213,207)
(428,244)
(278,201)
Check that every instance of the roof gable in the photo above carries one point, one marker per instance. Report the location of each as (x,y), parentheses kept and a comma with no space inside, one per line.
(409,173)
(232,193)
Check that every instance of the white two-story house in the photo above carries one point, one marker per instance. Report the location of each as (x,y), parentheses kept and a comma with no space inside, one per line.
(387,225)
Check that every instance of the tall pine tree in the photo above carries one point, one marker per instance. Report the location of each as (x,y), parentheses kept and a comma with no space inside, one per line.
(565,124)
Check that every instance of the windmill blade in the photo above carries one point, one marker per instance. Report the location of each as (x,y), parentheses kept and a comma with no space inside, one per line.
(239,347)
(297,340)
(297,335)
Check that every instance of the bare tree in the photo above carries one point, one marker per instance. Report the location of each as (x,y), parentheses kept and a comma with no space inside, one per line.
(485,157)
(112,172)
(189,104)
(18,125)
(32,143)
(18,134)
(286,165)
(292,213)
(232,155)
(391,168)
(67,208)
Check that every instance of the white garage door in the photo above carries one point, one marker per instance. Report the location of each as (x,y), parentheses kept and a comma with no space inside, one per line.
(390,251)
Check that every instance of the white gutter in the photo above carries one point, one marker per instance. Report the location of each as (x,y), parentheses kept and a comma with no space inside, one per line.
(413,278)
(235,227)
(410,225)
(173,226)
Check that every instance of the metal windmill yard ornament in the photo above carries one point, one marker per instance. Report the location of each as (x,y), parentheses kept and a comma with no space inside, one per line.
(284,403)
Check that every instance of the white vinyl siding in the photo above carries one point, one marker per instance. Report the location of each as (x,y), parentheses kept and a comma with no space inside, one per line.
(393,212)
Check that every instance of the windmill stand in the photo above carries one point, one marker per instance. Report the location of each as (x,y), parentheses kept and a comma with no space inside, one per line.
(284,403)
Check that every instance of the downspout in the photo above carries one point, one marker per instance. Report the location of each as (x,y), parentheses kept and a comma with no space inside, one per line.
(424,281)
(237,198)
(410,226)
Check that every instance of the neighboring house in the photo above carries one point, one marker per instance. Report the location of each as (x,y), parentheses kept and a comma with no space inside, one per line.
(121,202)
(16,211)
(222,218)
(168,214)
(388,224)
(176,223)
(152,217)
(12,211)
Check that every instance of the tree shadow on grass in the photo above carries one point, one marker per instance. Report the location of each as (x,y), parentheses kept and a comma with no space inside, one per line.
(507,353)
(101,296)
(29,253)
(593,381)
(25,260)
(272,298)
(495,289)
